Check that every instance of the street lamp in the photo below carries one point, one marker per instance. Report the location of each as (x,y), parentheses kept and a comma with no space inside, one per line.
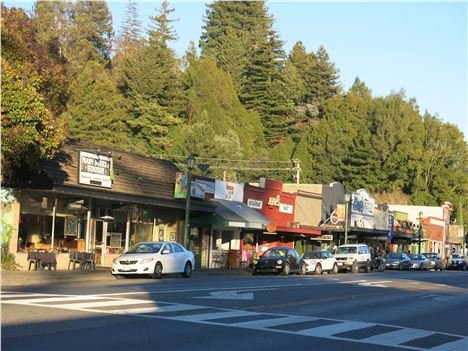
(419,231)
(190,165)
(347,197)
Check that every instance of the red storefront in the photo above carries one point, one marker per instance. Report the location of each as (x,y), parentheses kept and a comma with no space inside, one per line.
(277,205)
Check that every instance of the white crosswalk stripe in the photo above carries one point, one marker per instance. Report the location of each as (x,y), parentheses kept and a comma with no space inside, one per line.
(397,337)
(329,330)
(277,323)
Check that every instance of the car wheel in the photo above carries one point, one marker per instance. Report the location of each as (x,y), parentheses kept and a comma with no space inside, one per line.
(157,274)
(318,269)
(303,270)
(355,268)
(286,269)
(187,270)
(335,269)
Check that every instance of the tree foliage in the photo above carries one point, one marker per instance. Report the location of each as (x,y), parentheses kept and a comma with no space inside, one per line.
(63,75)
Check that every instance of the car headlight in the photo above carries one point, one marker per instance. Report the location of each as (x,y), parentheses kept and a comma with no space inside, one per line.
(146,260)
(114,260)
(279,262)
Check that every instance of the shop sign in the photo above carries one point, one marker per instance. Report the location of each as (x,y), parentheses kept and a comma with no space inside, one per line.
(180,189)
(391,225)
(201,187)
(274,201)
(95,169)
(230,191)
(326,237)
(257,204)
(362,203)
(285,208)
(115,240)
(236,224)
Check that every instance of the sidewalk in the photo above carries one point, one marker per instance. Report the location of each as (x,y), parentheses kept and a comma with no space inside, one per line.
(21,278)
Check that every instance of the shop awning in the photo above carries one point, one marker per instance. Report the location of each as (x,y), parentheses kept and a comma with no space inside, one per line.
(231,214)
(299,230)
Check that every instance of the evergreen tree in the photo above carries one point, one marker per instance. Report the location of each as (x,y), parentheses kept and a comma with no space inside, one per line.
(130,40)
(130,29)
(96,111)
(150,80)
(90,33)
(217,124)
(323,79)
(229,26)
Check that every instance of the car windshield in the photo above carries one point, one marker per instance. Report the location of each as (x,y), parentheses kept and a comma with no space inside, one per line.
(145,248)
(457,256)
(416,257)
(346,250)
(394,256)
(312,255)
(275,253)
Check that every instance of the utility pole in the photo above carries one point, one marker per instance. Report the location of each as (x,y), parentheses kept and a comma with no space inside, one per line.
(297,170)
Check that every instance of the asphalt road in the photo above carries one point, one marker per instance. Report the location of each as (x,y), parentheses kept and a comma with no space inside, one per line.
(376,311)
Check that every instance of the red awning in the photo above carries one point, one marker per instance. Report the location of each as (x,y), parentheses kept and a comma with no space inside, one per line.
(298,230)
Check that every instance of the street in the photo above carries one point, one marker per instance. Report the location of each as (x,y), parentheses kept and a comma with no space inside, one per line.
(392,310)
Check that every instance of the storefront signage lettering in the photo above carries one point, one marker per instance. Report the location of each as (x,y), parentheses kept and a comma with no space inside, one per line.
(274,201)
(95,169)
(236,224)
(326,237)
(285,208)
(257,204)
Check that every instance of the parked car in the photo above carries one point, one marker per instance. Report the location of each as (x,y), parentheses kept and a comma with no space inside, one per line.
(352,257)
(435,262)
(456,261)
(419,262)
(279,260)
(320,261)
(398,261)
(154,259)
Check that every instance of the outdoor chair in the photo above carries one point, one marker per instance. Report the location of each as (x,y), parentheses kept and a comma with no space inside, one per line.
(75,259)
(49,260)
(89,261)
(34,259)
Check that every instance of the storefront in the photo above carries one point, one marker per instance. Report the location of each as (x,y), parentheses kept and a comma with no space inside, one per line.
(97,200)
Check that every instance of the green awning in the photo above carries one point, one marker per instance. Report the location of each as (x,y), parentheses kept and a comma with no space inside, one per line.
(231,214)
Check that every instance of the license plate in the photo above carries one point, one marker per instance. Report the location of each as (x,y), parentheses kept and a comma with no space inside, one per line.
(340,263)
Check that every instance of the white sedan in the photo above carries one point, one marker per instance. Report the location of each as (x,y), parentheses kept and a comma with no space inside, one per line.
(154,259)
(320,261)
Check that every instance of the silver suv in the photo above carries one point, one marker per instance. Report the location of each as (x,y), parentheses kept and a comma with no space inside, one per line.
(352,257)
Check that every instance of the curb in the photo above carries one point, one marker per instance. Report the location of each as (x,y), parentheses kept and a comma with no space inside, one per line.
(26,278)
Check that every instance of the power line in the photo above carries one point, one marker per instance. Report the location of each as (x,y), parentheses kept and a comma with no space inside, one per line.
(220,159)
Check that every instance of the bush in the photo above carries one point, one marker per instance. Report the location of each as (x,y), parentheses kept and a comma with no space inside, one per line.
(8,262)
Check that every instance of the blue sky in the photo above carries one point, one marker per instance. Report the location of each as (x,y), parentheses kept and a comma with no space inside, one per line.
(420,47)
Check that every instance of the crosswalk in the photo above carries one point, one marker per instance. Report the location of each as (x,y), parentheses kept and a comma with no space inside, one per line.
(352,331)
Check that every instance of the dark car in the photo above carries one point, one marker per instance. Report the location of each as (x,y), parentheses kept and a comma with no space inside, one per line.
(397,261)
(435,262)
(419,262)
(279,260)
